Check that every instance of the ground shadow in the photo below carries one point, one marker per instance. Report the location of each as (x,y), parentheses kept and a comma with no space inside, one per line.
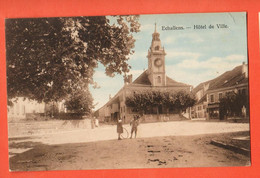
(156,152)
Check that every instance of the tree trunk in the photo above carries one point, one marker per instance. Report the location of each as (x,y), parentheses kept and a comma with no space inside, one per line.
(157,111)
(52,110)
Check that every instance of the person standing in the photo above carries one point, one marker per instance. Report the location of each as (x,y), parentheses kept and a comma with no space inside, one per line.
(92,121)
(96,122)
(119,128)
(134,123)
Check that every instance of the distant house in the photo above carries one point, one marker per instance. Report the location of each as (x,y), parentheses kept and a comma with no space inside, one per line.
(22,107)
(199,110)
(152,79)
(209,93)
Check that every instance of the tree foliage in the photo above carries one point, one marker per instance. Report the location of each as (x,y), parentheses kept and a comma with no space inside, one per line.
(232,104)
(142,101)
(46,57)
(79,101)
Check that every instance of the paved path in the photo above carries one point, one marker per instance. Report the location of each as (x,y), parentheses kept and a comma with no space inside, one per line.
(108,132)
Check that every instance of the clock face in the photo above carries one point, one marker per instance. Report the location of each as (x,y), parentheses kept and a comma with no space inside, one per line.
(158,62)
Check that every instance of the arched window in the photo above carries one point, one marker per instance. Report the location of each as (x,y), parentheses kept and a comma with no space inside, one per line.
(159,79)
(156,48)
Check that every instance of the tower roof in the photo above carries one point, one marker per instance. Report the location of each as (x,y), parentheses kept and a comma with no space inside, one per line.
(156,35)
(155,31)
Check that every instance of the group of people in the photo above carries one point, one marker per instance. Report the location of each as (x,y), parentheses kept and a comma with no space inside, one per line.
(134,124)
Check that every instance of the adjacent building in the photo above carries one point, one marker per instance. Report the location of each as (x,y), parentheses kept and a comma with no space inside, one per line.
(209,93)
(200,108)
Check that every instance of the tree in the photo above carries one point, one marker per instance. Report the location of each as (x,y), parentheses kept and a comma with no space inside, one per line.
(80,101)
(143,101)
(232,104)
(138,102)
(46,57)
(183,100)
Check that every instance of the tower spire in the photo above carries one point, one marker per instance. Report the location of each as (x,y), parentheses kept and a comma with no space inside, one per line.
(155,28)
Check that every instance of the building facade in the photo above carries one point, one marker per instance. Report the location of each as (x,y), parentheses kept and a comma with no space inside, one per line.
(22,107)
(211,92)
(152,79)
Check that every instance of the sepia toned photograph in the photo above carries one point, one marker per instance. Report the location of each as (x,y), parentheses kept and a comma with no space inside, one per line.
(128,91)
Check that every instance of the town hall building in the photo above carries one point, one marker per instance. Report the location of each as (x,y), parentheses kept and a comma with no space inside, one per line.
(152,79)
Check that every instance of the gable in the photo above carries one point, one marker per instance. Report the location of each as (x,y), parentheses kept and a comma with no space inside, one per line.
(144,80)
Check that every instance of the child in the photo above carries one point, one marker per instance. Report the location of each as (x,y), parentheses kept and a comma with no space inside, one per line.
(92,122)
(134,123)
(119,128)
(96,122)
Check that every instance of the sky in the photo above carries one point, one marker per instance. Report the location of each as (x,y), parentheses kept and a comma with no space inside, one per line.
(193,55)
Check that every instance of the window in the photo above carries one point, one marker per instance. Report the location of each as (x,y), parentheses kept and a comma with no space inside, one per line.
(220,95)
(159,79)
(212,98)
(12,110)
(244,91)
(23,110)
(17,109)
(156,48)
(228,93)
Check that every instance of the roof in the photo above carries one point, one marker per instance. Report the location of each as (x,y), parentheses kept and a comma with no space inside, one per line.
(173,83)
(144,80)
(227,79)
(203,99)
(200,86)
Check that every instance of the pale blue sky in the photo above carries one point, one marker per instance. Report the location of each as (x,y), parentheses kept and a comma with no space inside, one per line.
(192,56)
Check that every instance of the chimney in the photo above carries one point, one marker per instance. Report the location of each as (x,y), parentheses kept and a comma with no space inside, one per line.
(130,78)
(245,69)
(126,79)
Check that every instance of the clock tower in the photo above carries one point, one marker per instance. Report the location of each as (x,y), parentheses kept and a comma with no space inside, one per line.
(156,61)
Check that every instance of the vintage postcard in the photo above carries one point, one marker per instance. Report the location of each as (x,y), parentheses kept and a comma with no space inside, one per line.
(130,91)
